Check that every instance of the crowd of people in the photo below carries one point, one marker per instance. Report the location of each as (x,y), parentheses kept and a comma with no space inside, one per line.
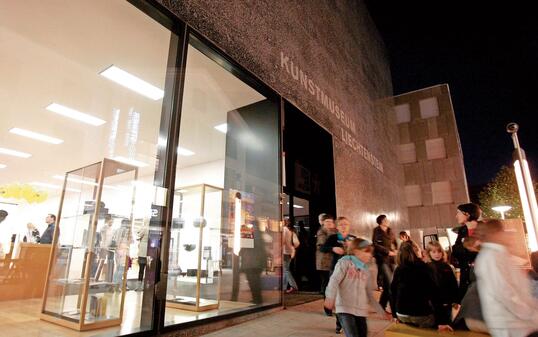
(419,285)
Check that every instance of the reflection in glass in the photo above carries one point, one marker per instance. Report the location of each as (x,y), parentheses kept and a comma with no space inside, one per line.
(225,242)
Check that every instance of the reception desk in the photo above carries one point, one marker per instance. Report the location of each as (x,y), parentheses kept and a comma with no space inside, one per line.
(24,275)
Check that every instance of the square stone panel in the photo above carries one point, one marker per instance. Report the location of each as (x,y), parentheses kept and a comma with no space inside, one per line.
(413,195)
(442,193)
(407,153)
(403,113)
(429,107)
(435,148)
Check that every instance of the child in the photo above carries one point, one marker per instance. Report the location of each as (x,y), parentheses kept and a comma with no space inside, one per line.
(415,295)
(444,278)
(350,288)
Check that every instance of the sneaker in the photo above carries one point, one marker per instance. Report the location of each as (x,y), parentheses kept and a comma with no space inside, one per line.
(338,331)
(291,290)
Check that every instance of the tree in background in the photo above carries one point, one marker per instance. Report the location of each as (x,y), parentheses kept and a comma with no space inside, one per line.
(501,191)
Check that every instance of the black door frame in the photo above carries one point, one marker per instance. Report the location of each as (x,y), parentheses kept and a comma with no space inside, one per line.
(165,172)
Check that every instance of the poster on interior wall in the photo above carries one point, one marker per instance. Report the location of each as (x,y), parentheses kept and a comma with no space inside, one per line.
(247,215)
(302,178)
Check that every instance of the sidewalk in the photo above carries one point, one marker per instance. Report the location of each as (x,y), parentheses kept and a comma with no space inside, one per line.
(305,320)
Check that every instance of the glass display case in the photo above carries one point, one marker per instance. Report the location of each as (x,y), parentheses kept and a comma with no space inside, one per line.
(86,277)
(195,255)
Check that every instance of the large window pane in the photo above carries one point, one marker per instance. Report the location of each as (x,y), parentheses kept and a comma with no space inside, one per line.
(82,85)
(225,237)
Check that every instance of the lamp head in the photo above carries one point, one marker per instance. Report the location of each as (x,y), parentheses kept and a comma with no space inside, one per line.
(512,127)
(501,208)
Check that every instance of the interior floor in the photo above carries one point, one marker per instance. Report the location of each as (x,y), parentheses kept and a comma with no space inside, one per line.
(20,318)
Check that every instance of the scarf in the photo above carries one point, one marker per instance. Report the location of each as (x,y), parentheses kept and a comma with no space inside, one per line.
(358,263)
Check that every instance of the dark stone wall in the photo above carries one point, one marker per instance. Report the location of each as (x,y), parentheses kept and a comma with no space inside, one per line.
(335,45)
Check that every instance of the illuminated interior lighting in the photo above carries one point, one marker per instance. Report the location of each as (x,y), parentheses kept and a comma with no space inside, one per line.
(237,224)
(14,153)
(76,180)
(184,152)
(36,136)
(222,127)
(297,206)
(84,182)
(132,82)
(74,114)
(52,186)
(129,161)
(533,243)
(2,166)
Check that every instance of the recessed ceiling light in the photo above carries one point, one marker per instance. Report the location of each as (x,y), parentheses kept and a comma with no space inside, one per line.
(82,181)
(52,186)
(2,166)
(184,152)
(14,153)
(76,180)
(129,161)
(297,206)
(72,113)
(36,136)
(132,82)
(222,127)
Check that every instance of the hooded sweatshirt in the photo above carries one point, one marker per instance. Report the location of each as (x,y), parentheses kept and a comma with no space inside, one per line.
(352,285)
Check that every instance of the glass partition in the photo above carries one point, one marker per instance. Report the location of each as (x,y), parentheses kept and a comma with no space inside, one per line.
(225,238)
(82,82)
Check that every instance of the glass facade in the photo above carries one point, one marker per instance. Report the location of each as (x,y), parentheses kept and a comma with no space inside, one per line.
(225,228)
(97,212)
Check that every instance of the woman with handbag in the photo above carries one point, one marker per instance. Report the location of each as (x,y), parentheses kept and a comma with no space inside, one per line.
(290,242)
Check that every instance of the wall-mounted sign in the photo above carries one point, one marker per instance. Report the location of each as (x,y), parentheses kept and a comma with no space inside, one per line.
(346,123)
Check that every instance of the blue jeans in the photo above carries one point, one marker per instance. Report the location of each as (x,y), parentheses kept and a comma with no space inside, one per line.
(288,277)
(354,326)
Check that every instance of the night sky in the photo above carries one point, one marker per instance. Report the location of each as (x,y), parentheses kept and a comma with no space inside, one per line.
(489,59)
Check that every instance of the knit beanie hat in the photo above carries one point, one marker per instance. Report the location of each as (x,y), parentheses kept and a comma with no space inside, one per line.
(472,209)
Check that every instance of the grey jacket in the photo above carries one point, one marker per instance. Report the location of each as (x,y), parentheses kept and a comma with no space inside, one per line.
(353,289)
(323,260)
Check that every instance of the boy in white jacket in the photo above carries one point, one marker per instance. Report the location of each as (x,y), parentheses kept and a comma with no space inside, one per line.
(351,288)
(508,306)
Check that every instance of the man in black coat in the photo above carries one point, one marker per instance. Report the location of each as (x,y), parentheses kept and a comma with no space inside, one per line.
(384,253)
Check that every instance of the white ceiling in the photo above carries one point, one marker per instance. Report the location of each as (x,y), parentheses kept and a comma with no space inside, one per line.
(53,51)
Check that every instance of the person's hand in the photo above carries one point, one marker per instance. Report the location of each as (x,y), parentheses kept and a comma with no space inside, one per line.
(392,253)
(339,250)
(445,328)
(329,303)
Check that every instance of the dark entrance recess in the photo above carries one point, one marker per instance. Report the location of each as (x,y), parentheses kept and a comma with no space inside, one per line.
(309,188)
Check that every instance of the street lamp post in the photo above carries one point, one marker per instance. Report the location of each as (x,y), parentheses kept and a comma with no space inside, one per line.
(525,187)
(501,209)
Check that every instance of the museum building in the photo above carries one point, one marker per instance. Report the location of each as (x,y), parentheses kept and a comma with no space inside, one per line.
(150,152)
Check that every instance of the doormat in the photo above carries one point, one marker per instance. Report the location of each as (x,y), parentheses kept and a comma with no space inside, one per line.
(300,297)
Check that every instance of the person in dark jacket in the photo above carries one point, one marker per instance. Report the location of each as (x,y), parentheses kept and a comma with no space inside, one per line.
(445,280)
(253,262)
(467,216)
(384,253)
(414,292)
(48,234)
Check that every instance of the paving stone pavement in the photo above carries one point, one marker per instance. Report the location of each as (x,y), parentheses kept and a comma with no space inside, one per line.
(305,320)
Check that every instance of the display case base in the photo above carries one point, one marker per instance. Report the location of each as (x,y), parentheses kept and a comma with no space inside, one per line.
(189,303)
(77,326)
